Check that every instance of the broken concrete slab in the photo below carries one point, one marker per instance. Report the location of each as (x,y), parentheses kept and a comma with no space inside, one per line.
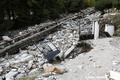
(115,75)
(109,29)
(52,46)
(69,51)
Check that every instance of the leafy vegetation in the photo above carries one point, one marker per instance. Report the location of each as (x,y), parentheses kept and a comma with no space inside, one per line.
(103,4)
(106,4)
(20,13)
(16,14)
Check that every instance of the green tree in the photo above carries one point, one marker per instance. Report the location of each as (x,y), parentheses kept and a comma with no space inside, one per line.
(20,13)
(103,4)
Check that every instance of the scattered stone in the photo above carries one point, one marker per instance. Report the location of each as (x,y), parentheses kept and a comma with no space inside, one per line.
(41,62)
(115,63)
(80,66)
(64,70)
(6,38)
(32,72)
(30,63)
(70,31)
(52,69)
(1,70)
(91,59)
(47,78)
(33,52)
(13,70)
(47,74)
(20,76)
(11,74)
(1,47)
(20,33)
(34,66)
(32,48)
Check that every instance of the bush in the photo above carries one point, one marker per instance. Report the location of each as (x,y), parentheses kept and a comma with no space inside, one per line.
(103,4)
(6,25)
(89,3)
(116,3)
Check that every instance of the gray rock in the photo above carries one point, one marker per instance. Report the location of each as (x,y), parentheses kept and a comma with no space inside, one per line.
(49,37)
(11,74)
(23,58)
(32,48)
(13,70)
(90,59)
(9,78)
(33,52)
(47,74)
(6,38)
(41,62)
(33,71)
(47,65)
(1,78)
(115,62)
(34,66)
(1,70)
(21,70)
(7,64)
(30,63)
(52,78)
(1,47)
(20,76)
(20,33)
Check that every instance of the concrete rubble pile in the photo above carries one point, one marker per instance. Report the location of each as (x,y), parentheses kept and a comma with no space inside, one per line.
(32,60)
